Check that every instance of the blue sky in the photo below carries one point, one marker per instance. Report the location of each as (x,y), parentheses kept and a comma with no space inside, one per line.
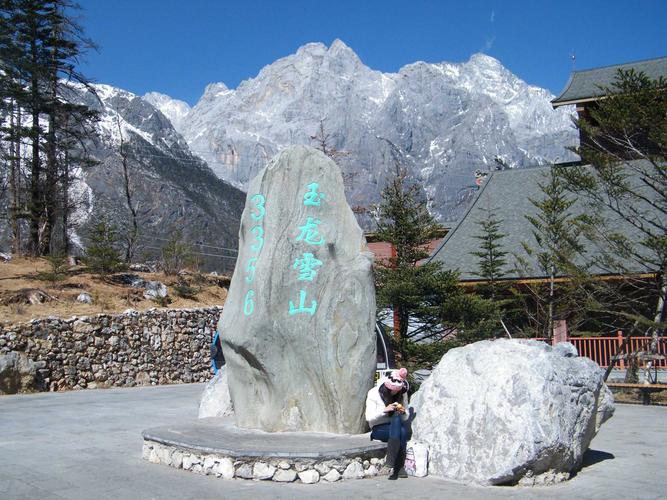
(177,47)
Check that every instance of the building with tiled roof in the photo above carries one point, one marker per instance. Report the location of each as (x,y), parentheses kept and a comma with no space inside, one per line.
(586,87)
(508,194)
(589,84)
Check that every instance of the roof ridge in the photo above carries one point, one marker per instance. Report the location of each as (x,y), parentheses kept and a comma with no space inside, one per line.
(619,65)
(520,169)
(462,218)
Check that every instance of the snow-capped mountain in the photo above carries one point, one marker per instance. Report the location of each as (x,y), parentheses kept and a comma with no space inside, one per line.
(173,109)
(172,188)
(441,121)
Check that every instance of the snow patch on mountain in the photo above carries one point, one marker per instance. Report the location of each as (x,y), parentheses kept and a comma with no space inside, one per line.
(173,109)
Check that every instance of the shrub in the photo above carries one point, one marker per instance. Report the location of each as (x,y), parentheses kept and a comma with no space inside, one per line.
(185,290)
(59,267)
(176,254)
(103,256)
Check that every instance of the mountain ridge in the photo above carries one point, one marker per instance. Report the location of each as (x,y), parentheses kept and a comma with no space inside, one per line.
(442,121)
(171,188)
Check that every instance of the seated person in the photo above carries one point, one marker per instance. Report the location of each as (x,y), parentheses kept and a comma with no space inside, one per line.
(387,415)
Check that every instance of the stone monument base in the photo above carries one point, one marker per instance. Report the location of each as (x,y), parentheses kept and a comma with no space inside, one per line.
(214,446)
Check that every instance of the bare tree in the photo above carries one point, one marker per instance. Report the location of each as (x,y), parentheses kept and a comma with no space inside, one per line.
(132,234)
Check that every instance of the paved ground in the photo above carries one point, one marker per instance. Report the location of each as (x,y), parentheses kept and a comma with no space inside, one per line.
(87,445)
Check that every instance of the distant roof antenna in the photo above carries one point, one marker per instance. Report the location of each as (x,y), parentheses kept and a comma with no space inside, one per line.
(573,58)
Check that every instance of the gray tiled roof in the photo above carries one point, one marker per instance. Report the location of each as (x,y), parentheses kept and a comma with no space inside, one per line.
(507,194)
(586,84)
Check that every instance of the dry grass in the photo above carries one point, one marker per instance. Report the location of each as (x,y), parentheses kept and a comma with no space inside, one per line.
(633,396)
(24,273)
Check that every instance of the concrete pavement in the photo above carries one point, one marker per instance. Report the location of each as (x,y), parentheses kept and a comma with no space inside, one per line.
(87,444)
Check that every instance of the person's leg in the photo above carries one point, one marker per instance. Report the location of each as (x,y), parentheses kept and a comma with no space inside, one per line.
(395,426)
(394,445)
(380,432)
(400,460)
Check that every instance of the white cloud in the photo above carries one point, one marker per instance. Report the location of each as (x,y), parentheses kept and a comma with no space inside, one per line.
(488,44)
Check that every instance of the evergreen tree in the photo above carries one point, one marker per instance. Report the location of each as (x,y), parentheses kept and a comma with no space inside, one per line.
(102,254)
(556,232)
(492,259)
(403,285)
(427,301)
(628,124)
(491,255)
(39,48)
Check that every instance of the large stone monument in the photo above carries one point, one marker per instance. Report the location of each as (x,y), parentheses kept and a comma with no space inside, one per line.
(510,411)
(297,328)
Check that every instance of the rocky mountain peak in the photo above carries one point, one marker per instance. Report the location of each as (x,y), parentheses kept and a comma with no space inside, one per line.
(173,109)
(484,60)
(339,50)
(443,121)
(216,89)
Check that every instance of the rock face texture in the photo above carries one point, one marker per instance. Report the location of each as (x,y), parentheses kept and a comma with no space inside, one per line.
(215,400)
(17,373)
(297,327)
(510,411)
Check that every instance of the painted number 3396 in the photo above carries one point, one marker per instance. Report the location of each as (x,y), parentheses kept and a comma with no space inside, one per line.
(259,201)
(257,214)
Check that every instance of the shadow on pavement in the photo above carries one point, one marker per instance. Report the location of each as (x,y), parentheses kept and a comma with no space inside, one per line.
(592,457)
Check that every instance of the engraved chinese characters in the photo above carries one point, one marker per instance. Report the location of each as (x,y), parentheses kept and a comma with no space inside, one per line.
(297,326)
(307,263)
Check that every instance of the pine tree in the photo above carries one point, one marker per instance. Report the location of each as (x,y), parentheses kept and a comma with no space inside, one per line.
(627,125)
(177,254)
(556,232)
(39,48)
(102,254)
(403,285)
(427,301)
(491,255)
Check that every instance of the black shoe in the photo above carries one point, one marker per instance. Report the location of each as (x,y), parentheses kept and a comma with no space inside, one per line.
(402,473)
(393,476)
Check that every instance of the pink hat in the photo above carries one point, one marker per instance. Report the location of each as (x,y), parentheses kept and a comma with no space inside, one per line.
(396,381)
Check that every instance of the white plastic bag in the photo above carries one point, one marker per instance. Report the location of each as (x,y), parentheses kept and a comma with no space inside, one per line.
(416,459)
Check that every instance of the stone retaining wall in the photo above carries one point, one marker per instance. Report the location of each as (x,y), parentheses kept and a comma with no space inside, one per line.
(283,470)
(158,346)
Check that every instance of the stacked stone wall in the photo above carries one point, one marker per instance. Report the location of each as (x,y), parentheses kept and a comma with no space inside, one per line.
(158,346)
(285,470)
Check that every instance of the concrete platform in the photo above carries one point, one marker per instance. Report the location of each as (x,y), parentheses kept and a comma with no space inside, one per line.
(219,436)
(215,446)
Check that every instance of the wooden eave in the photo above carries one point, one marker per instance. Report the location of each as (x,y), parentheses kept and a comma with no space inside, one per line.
(555,105)
(538,281)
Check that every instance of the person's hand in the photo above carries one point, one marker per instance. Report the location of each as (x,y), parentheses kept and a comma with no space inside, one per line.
(390,408)
(399,407)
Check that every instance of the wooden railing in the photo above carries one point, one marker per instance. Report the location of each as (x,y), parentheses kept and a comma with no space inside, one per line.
(602,349)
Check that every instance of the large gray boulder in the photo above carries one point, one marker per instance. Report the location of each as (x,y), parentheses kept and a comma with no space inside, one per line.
(297,327)
(510,411)
(215,400)
(18,373)
(155,290)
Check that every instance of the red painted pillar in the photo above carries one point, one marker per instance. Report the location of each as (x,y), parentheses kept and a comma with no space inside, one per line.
(619,342)
(397,323)
(560,332)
